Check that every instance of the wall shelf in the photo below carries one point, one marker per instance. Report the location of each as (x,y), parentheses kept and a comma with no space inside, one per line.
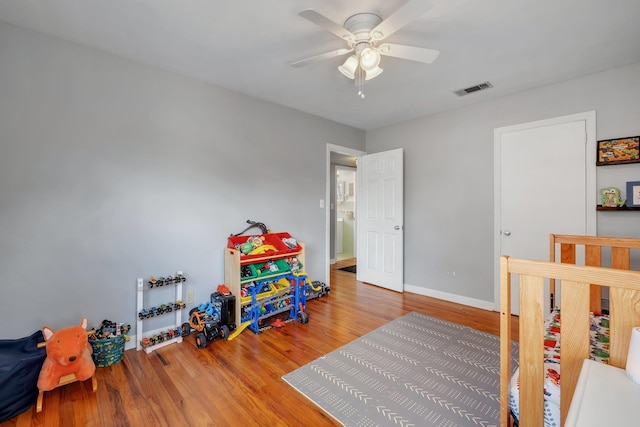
(622,208)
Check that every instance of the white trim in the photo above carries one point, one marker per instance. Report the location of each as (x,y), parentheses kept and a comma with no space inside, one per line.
(133,339)
(458,299)
(589,117)
(327,205)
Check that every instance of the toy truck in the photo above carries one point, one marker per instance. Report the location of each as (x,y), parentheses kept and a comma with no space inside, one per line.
(212,320)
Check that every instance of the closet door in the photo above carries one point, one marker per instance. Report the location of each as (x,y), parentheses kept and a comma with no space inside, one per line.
(544,186)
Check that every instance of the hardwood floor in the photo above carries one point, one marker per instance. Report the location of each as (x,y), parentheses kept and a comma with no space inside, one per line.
(238,382)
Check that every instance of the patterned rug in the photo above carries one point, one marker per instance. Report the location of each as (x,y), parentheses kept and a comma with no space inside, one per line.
(416,370)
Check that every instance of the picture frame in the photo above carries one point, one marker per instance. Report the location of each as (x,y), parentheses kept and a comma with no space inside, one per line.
(618,151)
(633,194)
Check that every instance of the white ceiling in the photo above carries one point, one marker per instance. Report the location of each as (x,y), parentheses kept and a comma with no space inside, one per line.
(246,46)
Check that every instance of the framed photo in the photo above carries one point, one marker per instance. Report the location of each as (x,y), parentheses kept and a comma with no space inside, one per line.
(633,194)
(618,151)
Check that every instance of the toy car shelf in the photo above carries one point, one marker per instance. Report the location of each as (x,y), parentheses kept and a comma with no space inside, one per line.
(270,285)
(153,340)
(286,295)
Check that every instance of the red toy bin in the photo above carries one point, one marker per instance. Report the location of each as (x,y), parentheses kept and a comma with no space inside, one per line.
(267,239)
(281,236)
(273,239)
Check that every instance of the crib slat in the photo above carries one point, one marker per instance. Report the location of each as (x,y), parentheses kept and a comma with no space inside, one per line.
(532,314)
(624,315)
(574,338)
(568,253)
(620,258)
(593,258)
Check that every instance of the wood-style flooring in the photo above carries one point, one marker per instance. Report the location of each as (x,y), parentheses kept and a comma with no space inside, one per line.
(238,382)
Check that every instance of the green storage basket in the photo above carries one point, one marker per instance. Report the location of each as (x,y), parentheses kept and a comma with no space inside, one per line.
(107,352)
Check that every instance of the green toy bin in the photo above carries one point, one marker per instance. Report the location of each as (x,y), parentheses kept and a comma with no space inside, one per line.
(282,267)
(107,352)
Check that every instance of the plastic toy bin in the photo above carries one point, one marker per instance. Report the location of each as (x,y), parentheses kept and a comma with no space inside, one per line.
(107,352)
(280,266)
(272,239)
(250,274)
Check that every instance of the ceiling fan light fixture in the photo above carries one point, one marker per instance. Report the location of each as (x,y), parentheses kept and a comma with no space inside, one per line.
(349,67)
(373,73)
(369,59)
(364,33)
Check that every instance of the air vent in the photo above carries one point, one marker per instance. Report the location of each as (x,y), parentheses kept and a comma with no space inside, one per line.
(467,91)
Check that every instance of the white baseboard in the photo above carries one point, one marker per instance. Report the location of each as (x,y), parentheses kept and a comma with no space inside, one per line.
(131,343)
(485,305)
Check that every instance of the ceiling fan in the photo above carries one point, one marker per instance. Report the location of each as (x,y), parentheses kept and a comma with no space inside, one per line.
(364,33)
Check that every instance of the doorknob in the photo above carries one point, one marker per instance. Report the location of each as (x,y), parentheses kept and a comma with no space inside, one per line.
(507,233)
(397,227)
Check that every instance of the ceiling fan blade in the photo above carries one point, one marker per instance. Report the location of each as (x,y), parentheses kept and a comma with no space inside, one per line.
(321,57)
(327,24)
(410,11)
(411,53)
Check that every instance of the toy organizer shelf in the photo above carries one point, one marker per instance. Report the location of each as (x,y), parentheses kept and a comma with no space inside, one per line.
(170,333)
(265,284)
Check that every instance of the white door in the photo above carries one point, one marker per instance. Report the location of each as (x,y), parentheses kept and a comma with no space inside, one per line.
(545,179)
(380,215)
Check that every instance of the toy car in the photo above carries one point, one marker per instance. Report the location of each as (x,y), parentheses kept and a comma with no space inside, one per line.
(317,289)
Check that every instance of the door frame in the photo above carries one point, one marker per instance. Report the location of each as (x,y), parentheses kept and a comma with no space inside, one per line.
(332,148)
(589,117)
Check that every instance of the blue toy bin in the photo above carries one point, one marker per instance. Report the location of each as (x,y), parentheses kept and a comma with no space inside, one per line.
(20,364)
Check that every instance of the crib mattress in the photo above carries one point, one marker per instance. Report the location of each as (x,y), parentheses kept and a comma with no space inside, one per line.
(599,349)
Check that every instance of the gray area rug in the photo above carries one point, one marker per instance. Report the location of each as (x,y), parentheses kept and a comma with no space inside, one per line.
(416,370)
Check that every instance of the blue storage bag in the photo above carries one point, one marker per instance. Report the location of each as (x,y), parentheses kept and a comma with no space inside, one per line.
(20,364)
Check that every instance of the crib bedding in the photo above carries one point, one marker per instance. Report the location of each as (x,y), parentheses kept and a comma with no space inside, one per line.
(599,351)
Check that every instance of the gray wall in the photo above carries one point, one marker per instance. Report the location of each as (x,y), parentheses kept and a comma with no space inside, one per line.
(449,176)
(111,170)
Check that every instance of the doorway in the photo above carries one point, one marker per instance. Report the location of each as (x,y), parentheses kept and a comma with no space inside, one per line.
(345,207)
(343,159)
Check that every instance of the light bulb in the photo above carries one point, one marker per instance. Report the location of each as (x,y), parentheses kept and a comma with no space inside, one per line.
(369,59)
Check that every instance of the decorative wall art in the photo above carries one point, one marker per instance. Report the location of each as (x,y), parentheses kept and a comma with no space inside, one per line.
(618,151)
(633,194)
